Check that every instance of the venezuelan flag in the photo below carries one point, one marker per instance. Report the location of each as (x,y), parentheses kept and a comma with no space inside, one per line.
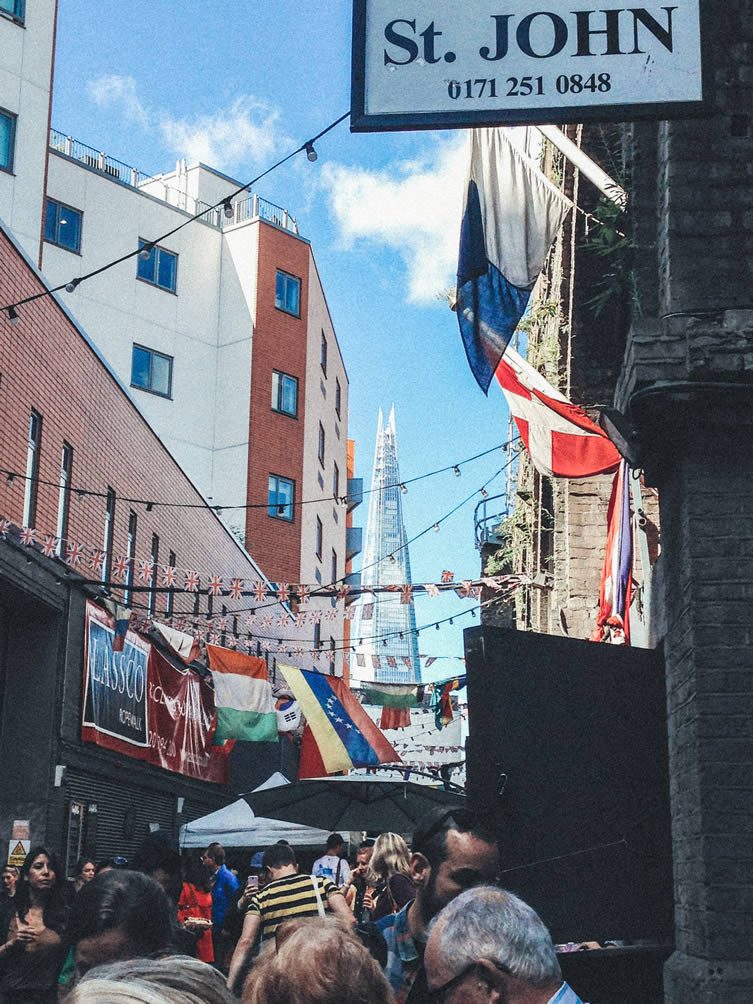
(344,735)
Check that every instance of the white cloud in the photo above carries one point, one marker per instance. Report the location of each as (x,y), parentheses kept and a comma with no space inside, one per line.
(115,90)
(246,134)
(413,208)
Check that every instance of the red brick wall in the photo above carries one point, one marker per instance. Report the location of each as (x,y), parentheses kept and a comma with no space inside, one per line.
(275,440)
(46,364)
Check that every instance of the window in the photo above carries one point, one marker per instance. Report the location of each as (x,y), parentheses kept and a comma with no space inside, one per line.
(324,354)
(31,485)
(7,139)
(281,497)
(321,444)
(333,575)
(13,7)
(160,268)
(109,534)
(151,371)
(288,293)
(338,397)
(62,225)
(319,538)
(152,605)
(64,499)
(284,393)
(170,602)
(336,482)
(131,555)
(317,636)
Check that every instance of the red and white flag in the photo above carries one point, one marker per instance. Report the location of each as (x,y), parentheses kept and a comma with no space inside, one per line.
(562,440)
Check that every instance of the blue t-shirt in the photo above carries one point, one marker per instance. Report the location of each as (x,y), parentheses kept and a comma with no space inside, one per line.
(224,884)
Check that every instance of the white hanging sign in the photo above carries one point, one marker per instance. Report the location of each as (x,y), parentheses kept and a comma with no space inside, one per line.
(436,64)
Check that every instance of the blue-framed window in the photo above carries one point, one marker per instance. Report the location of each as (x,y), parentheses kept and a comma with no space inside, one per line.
(281,500)
(151,371)
(284,393)
(288,293)
(16,8)
(62,225)
(160,268)
(7,139)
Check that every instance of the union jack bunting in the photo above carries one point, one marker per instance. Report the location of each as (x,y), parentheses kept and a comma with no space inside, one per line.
(350,613)
(303,592)
(74,553)
(282,620)
(431,590)
(361,660)
(250,622)
(367,611)
(192,581)
(448,576)
(406,594)
(343,591)
(376,662)
(283,592)
(392,661)
(406,661)
(298,652)
(222,623)
(267,620)
(215,585)
(331,614)
(236,588)
(475,592)
(430,660)
(97,561)
(249,645)
(4,527)
(28,535)
(260,591)
(168,575)
(146,571)
(464,589)
(120,567)
(315,616)
(50,546)
(300,619)
(266,645)
(213,638)
(232,641)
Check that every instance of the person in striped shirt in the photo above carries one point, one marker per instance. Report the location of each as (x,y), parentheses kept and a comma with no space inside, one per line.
(288,895)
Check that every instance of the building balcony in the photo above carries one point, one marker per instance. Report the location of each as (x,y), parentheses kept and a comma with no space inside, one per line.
(244,209)
(355,493)
(353,542)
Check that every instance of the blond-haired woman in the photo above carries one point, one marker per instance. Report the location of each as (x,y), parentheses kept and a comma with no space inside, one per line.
(390,867)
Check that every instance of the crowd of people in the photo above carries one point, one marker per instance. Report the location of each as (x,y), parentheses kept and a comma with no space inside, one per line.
(404,923)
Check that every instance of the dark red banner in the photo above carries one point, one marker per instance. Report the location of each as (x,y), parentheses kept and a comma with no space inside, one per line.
(138,704)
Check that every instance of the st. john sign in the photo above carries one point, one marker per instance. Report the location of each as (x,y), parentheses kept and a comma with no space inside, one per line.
(437,64)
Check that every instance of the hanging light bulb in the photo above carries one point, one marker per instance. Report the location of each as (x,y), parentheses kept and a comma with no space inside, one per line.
(456,471)
(71,286)
(437,626)
(10,477)
(393,559)
(227,208)
(311,153)
(435,528)
(13,315)
(146,251)
(404,489)
(484,493)
(451,621)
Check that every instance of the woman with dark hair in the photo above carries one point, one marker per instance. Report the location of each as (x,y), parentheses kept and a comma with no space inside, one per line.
(33,952)
(85,871)
(195,907)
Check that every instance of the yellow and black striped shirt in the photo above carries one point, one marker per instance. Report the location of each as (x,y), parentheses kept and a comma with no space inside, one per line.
(285,898)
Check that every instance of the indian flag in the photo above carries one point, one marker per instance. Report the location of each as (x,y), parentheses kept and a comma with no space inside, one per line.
(390,695)
(243,696)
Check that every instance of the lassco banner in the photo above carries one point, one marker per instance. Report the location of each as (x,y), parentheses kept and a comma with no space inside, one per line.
(138,704)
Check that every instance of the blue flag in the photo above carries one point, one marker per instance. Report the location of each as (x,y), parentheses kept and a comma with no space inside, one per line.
(511,216)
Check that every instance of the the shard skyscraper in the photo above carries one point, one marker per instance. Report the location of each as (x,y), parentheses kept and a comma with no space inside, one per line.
(384,630)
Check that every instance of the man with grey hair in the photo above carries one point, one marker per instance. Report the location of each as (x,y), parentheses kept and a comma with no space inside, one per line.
(488,945)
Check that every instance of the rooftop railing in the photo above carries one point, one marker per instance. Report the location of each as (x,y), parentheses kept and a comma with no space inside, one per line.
(251,208)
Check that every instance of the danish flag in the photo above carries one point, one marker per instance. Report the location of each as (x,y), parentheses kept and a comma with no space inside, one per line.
(562,440)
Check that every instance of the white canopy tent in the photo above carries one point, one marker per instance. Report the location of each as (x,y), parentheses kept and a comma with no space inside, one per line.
(237,826)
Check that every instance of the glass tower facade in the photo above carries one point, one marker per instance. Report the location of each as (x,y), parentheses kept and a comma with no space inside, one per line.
(384,628)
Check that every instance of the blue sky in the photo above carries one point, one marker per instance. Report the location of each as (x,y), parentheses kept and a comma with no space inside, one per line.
(240,83)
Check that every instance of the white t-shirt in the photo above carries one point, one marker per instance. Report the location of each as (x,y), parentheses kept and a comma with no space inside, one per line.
(332,867)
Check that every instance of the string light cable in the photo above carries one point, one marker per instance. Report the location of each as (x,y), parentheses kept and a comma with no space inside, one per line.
(11,309)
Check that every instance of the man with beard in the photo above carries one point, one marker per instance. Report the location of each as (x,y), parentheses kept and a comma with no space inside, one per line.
(451,851)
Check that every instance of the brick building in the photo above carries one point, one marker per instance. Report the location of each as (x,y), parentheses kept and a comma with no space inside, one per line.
(680,364)
(81,463)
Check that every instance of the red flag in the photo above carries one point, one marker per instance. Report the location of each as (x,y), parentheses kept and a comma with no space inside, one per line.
(395,718)
(613,621)
(562,440)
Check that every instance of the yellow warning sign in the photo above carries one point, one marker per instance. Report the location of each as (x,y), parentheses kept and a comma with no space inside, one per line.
(17,851)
